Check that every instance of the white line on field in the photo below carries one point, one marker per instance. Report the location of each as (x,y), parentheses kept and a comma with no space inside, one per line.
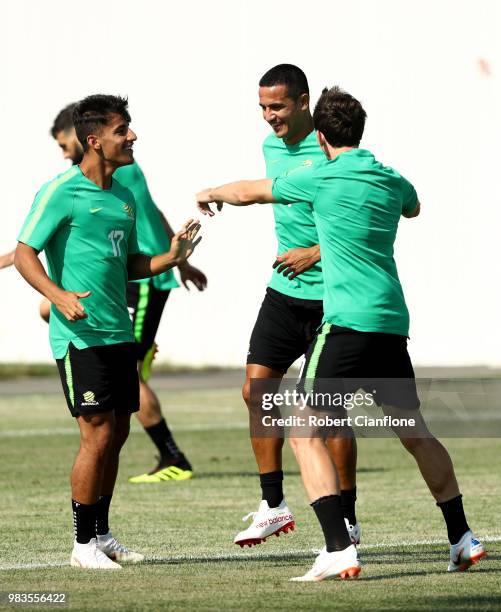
(299,554)
(73,431)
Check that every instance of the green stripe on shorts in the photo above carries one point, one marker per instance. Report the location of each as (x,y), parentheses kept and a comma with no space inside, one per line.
(69,377)
(311,370)
(142,305)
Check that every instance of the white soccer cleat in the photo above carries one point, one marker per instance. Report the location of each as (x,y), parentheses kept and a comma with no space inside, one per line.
(266,522)
(116,551)
(465,553)
(354,531)
(88,556)
(344,564)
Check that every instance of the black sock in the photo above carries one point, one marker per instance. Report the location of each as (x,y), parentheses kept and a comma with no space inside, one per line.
(330,516)
(454,518)
(84,521)
(348,498)
(163,440)
(271,487)
(102,511)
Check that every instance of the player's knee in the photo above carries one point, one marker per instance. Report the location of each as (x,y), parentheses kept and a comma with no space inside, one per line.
(301,445)
(246,393)
(99,441)
(98,433)
(412,445)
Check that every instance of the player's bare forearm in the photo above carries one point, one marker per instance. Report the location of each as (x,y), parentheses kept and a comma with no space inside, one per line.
(142,266)
(239,193)
(7,259)
(31,269)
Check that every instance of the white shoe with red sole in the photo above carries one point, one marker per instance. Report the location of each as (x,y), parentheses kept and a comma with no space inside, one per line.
(266,522)
(466,553)
(342,564)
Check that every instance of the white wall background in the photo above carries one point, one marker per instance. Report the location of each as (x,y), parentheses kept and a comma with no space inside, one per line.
(191,70)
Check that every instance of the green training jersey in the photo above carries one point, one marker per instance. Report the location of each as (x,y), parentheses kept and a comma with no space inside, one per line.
(357,203)
(294,225)
(86,233)
(151,234)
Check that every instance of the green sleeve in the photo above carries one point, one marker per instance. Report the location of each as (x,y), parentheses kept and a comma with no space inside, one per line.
(51,209)
(298,186)
(409,197)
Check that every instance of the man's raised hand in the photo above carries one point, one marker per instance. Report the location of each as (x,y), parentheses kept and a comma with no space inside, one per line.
(183,243)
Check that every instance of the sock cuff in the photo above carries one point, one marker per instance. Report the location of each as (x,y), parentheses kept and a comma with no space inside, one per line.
(449,501)
(77,504)
(322,500)
(271,477)
(159,425)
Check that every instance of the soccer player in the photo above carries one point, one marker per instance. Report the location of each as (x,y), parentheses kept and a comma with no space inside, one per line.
(292,307)
(146,299)
(357,204)
(84,220)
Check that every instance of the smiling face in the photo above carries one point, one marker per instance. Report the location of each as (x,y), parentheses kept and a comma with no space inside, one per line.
(290,119)
(114,141)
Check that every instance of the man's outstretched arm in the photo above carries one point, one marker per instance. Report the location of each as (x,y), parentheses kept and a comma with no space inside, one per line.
(240,193)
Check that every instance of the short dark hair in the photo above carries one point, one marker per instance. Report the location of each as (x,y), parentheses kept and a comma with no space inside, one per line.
(340,117)
(94,111)
(289,75)
(64,120)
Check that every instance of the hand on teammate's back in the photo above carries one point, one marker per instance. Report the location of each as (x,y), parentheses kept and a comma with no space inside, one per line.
(68,303)
(183,242)
(296,261)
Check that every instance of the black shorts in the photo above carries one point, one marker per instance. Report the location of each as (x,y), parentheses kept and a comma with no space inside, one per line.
(100,379)
(146,305)
(345,360)
(284,329)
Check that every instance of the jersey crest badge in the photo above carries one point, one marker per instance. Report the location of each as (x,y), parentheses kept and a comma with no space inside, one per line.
(129,210)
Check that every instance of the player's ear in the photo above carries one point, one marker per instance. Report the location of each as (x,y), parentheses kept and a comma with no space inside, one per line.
(93,142)
(322,142)
(304,101)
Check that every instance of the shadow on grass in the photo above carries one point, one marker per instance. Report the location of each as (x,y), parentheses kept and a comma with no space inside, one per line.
(201,475)
(372,558)
(463,602)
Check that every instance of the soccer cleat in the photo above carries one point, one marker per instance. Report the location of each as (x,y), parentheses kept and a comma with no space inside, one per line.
(89,556)
(180,469)
(354,531)
(465,553)
(266,522)
(115,551)
(344,564)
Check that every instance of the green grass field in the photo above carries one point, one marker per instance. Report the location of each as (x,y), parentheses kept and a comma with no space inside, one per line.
(186,529)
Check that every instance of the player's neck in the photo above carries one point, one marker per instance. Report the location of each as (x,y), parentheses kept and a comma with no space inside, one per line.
(333,152)
(306,129)
(97,170)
